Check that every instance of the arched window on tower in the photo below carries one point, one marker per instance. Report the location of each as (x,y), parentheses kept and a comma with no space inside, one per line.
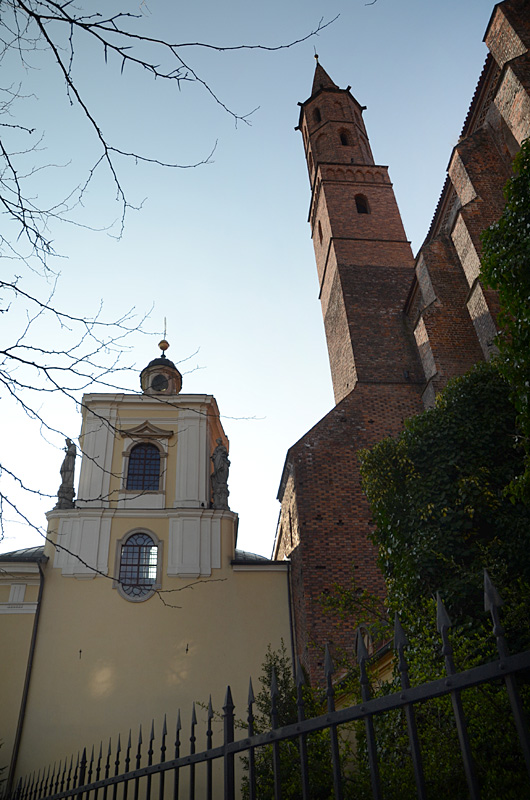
(320,235)
(143,472)
(138,561)
(344,138)
(361,202)
(317,116)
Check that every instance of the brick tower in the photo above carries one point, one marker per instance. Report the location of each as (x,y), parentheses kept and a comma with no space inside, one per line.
(365,268)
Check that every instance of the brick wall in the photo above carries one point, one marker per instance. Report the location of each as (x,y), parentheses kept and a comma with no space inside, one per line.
(333,521)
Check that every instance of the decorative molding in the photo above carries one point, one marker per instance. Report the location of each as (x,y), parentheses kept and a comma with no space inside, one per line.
(133,499)
(20,608)
(194,543)
(146,430)
(278,567)
(8,568)
(86,536)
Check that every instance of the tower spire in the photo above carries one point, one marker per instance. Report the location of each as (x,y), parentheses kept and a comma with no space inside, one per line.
(321,79)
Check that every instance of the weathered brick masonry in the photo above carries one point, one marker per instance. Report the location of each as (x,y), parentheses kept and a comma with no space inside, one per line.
(396,329)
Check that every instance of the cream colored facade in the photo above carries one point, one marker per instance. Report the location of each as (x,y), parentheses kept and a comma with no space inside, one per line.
(105,662)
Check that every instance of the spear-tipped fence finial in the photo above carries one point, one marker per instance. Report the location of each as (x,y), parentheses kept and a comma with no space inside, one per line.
(442,617)
(329,667)
(300,677)
(360,646)
(492,599)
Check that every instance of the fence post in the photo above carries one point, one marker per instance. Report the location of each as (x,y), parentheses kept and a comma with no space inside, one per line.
(400,642)
(228,717)
(330,695)
(443,623)
(362,658)
(492,603)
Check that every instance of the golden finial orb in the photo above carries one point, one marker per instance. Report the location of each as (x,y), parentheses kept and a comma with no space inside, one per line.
(163,345)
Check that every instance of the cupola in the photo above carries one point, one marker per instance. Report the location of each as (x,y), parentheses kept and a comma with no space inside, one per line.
(160,376)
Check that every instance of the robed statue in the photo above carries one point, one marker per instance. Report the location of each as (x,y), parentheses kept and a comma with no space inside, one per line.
(219,476)
(66,493)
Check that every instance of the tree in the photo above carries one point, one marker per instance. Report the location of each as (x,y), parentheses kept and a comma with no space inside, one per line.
(318,746)
(61,39)
(437,494)
(438,497)
(506,268)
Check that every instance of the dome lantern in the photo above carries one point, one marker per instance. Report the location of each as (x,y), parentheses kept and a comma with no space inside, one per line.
(161,377)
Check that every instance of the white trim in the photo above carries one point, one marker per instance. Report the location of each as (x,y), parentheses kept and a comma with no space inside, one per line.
(7,568)
(257,567)
(17,593)
(21,608)
(84,535)
(195,543)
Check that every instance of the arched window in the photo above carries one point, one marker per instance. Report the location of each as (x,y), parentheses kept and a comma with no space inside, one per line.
(138,566)
(320,236)
(344,138)
(143,473)
(362,204)
(317,116)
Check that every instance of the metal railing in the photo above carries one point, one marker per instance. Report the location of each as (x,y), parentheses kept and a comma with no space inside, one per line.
(120,774)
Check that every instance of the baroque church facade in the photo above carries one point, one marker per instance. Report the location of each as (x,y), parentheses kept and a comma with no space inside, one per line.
(140,602)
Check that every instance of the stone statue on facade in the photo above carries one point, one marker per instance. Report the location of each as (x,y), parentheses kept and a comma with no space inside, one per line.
(66,493)
(219,476)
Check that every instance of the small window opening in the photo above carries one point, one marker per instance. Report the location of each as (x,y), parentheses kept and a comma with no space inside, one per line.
(344,138)
(138,565)
(317,116)
(143,473)
(362,204)
(320,235)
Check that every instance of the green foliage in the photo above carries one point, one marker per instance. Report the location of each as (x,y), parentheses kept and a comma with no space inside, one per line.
(498,761)
(437,495)
(318,743)
(506,267)
(353,602)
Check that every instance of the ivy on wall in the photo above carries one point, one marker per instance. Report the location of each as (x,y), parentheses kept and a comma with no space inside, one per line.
(506,268)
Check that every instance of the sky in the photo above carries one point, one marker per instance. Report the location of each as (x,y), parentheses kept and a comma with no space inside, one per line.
(222,251)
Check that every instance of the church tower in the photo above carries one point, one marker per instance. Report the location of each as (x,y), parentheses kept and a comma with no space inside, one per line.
(139,602)
(364,261)
(365,268)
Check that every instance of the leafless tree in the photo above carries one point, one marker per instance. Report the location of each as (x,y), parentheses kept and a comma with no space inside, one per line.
(48,34)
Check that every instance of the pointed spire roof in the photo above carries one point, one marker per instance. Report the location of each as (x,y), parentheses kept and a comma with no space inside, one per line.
(321,79)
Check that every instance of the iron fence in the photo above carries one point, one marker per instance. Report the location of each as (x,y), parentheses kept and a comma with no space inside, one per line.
(120,773)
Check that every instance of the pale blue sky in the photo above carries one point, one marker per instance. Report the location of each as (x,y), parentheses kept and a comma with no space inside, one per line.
(224,251)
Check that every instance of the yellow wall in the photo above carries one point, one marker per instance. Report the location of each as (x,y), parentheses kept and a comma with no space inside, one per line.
(15,637)
(104,664)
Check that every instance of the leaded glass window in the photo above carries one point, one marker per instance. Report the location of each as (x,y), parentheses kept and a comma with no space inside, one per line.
(138,565)
(143,473)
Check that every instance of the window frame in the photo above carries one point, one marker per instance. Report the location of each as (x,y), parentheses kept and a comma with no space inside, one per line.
(362,200)
(118,584)
(124,491)
(144,474)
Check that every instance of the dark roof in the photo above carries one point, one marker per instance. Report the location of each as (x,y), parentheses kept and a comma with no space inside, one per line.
(322,80)
(29,554)
(244,557)
(161,362)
